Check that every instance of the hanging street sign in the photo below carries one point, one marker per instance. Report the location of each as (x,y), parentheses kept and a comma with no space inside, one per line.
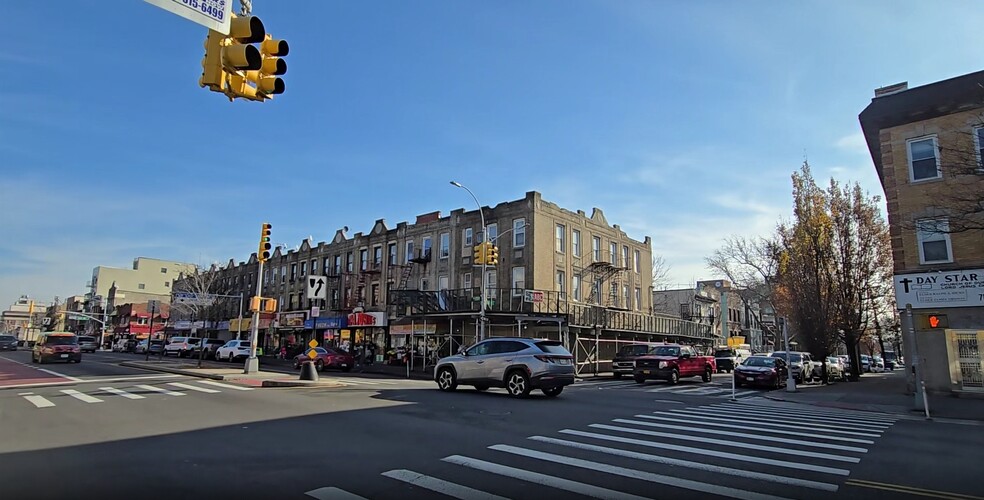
(212,14)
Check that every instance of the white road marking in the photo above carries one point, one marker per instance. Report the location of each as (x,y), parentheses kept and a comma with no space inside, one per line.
(683,419)
(745,435)
(730,444)
(710,453)
(669,401)
(39,401)
(833,412)
(121,392)
(740,393)
(760,476)
(801,423)
(159,389)
(814,412)
(440,486)
(332,493)
(69,377)
(634,474)
(131,379)
(535,477)
(796,415)
(696,390)
(227,386)
(81,396)
(193,388)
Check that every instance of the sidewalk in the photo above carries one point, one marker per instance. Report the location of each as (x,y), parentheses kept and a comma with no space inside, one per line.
(883,392)
(375,368)
(259,379)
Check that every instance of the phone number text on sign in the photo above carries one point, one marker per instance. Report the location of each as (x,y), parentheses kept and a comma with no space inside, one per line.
(212,8)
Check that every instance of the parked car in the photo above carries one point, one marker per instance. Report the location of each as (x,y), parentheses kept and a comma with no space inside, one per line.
(56,346)
(865,363)
(8,343)
(156,346)
(796,364)
(124,344)
(327,358)
(517,364)
(877,365)
(88,343)
(727,358)
(624,361)
(233,350)
(181,346)
(670,362)
(765,371)
(211,345)
(836,370)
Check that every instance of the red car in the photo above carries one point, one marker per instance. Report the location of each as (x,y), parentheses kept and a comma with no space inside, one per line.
(327,358)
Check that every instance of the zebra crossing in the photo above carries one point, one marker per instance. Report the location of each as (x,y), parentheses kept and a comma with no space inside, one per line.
(132,392)
(749,449)
(364,383)
(713,389)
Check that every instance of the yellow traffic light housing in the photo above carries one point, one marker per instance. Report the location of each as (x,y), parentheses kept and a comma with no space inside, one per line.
(479,253)
(492,255)
(262,304)
(263,253)
(266,78)
(236,68)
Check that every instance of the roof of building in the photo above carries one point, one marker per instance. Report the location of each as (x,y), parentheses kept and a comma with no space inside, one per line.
(893,108)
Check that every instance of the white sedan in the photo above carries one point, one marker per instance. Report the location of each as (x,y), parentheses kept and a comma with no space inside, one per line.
(232,350)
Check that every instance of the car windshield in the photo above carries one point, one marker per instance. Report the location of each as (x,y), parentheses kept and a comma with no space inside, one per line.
(793,357)
(7,337)
(244,344)
(759,361)
(724,353)
(552,347)
(634,350)
(666,351)
(62,340)
(87,339)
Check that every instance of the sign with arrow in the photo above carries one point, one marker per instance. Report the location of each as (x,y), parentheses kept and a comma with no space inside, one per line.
(316,287)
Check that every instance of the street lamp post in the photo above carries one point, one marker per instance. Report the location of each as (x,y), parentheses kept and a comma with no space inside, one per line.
(485,235)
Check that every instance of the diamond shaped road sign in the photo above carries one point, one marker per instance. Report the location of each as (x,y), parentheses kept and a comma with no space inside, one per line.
(312,354)
(313,343)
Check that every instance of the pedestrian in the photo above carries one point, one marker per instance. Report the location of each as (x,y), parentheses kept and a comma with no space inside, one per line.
(283,351)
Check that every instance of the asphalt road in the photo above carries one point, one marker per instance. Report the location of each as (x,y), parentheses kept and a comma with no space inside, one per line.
(379,438)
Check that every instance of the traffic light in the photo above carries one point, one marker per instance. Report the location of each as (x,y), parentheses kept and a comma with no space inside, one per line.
(263,254)
(230,59)
(480,253)
(492,255)
(262,304)
(266,78)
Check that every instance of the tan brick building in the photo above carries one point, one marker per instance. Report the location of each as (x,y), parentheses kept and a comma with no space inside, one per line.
(926,145)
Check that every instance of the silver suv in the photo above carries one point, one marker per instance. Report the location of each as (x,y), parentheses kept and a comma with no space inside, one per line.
(517,364)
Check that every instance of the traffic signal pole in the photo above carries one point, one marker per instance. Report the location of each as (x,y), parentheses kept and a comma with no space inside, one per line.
(252,363)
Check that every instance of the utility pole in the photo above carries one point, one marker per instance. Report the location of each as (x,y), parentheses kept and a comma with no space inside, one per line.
(790,381)
(912,358)
(485,286)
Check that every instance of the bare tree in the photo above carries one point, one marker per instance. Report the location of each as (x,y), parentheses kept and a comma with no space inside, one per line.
(203,282)
(661,273)
(750,264)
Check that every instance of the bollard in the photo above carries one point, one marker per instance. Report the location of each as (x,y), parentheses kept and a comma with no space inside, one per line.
(308,371)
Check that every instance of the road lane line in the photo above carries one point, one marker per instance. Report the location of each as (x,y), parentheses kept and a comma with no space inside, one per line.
(910,490)
(803,415)
(830,412)
(440,486)
(226,386)
(635,474)
(51,372)
(731,444)
(770,418)
(120,392)
(537,478)
(159,389)
(710,453)
(669,401)
(745,435)
(332,493)
(81,396)
(757,429)
(193,388)
(739,393)
(39,401)
(792,481)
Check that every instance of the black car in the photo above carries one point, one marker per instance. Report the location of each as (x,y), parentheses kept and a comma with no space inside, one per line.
(8,343)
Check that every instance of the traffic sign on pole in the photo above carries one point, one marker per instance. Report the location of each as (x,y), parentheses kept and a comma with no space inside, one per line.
(212,14)
(316,287)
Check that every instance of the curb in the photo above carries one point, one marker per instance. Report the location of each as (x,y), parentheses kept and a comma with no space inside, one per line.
(298,383)
(178,371)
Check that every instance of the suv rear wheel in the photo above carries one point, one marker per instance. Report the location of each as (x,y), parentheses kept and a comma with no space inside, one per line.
(446,380)
(518,384)
(553,391)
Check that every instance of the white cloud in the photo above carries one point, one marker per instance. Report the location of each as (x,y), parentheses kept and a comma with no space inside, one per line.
(853,143)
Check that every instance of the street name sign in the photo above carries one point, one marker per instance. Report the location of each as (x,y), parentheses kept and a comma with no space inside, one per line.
(193,298)
(212,14)
(934,290)
(317,288)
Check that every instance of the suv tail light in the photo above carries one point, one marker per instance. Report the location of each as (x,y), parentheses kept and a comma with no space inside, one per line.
(552,359)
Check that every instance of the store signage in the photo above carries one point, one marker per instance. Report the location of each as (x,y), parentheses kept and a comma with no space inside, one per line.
(963,288)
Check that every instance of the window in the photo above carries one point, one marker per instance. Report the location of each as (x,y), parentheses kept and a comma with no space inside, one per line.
(409,253)
(141,286)
(979,146)
(596,249)
(425,247)
(625,296)
(923,163)
(613,252)
(596,291)
(493,230)
(424,284)
(576,287)
(327,264)
(467,235)
(314,266)
(561,238)
(445,245)
(167,284)
(562,284)
(518,280)
(163,270)
(293,272)
(466,281)
(364,259)
(303,269)
(375,294)
(638,299)
(275,274)
(934,241)
(576,242)
(442,283)
(519,233)
(635,261)
(338,264)
(391,250)
(349,262)
(491,280)
(625,256)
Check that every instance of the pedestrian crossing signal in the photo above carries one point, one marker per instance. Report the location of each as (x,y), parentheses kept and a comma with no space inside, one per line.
(934,321)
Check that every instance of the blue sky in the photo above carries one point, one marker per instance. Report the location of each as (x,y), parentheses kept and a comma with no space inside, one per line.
(681,120)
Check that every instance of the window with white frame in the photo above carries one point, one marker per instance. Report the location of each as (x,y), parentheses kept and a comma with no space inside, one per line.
(442,282)
(561,238)
(519,233)
(314,266)
(576,287)
(638,299)
(518,280)
(424,284)
(613,252)
(923,161)
(377,256)
(493,230)
(363,259)
(303,269)
(596,291)
(409,252)
(350,262)
(445,245)
(562,284)
(575,243)
(934,241)
(979,148)
(293,272)
(466,235)
(625,296)
(338,264)
(490,278)
(625,256)
(636,257)
(466,281)
(391,250)
(596,249)
(425,246)
(613,294)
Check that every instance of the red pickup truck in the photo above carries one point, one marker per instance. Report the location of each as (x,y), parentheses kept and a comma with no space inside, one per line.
(670,362)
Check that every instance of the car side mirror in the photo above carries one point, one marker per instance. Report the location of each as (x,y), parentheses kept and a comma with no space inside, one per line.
(462,352)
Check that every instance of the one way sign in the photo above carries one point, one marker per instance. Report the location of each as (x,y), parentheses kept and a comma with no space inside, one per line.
(317,288)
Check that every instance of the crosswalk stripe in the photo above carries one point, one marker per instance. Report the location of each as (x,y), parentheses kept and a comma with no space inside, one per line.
(332,493)
(802,415)
(730,444)
(440,486)
(710,453)
(225,386)
(788,418)
(792,481)
(193,388)
(757,429)
(120,392)
(693,389)
(813,411)
(39,401)
(81,396)
(739,394)
(160,389)
(833,413)
(704,414)
(745,435)
(535,477)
